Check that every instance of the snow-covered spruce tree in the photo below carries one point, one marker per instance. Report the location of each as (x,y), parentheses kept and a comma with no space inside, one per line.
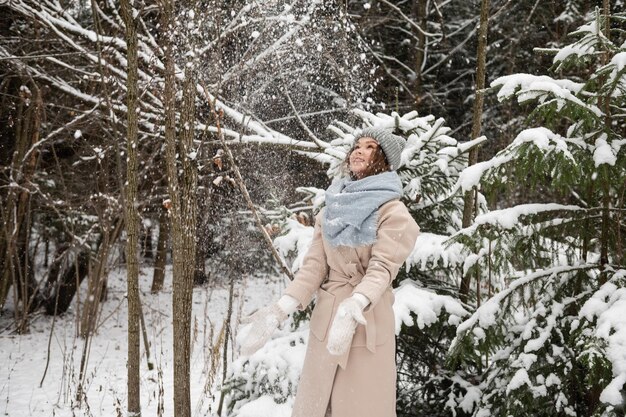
(426,313)
(551,341)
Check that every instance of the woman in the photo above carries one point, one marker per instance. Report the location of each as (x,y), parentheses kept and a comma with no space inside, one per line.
(361,238)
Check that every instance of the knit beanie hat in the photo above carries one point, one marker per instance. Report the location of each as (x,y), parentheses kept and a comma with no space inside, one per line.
(392,144)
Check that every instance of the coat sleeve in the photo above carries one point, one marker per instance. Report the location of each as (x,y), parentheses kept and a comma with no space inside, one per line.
(313,271)
(395,240)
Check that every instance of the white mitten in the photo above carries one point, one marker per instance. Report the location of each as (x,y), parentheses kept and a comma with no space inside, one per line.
(349,315)
(263,323)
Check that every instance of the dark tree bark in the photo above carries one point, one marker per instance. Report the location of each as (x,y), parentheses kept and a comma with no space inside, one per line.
(200,276)
(131,216)
(65,282)
(182,192)
(5,273)
(147,251)
(96,290)
(158,276)
(470,196)
(16,211)
(606,186)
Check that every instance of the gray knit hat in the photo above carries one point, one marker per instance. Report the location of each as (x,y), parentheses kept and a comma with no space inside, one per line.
(392,144)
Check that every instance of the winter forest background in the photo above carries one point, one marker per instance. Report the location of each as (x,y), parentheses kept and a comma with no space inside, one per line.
(161,163)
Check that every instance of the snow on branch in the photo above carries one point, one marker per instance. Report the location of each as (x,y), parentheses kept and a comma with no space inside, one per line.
(85,41)
(296,239)
(606,309)
(426,305)
(541,138)
(486,315)
(432,249)
(591,43)
(510,217)
(529,87)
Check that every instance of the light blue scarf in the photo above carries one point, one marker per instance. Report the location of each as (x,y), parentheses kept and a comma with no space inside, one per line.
(351,214)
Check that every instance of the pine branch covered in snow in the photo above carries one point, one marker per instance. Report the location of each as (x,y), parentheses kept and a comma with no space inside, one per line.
(273,371)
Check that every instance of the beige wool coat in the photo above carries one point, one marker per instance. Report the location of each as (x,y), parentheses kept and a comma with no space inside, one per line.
(361,382)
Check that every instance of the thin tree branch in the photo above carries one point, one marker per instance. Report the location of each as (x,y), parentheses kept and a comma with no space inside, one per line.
(218,115)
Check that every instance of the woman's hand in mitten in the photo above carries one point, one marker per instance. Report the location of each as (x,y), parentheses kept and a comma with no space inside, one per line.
(264,323)
(349,315)
(260,327)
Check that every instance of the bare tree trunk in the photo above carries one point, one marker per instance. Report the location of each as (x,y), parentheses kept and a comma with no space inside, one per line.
(199,275)
(147,251)
(606,187)
(227,332)
(131,215)
(182,191)
(16,214)
(5,275)
(470,196)
(5,256)
(97,284)
(183,281)
(158,276)
(203,237)
(65,281)
(182,407)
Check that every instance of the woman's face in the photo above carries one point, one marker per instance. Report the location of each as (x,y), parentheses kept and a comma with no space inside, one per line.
(362,155)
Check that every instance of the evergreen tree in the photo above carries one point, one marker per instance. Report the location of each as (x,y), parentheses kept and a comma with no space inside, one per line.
(550,342)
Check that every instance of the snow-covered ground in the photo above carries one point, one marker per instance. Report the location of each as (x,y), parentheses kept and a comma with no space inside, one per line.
(23,358)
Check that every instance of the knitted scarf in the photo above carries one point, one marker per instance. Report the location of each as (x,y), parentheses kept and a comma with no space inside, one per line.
(351,214)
